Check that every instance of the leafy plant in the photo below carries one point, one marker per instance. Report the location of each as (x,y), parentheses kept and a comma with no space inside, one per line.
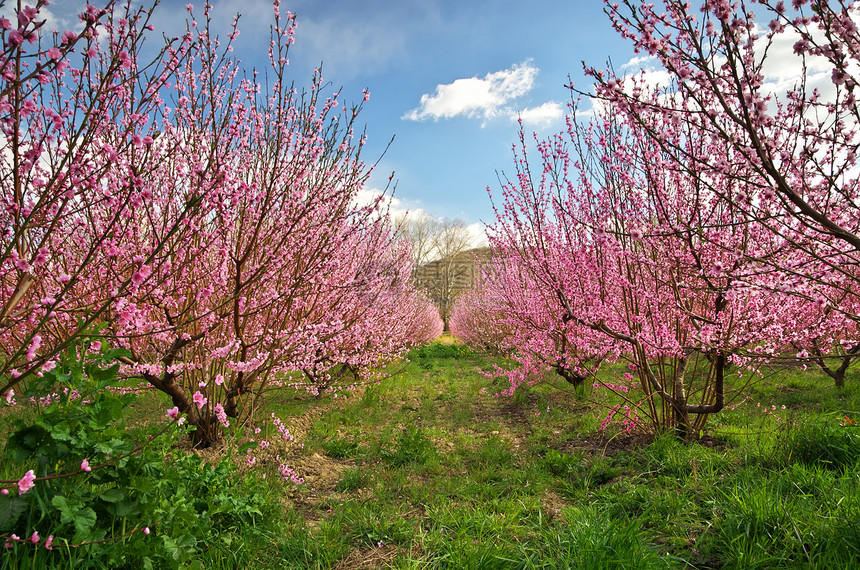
(104,499)
(411,446)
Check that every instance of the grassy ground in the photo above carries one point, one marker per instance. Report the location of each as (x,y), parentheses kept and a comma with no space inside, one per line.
(429,469)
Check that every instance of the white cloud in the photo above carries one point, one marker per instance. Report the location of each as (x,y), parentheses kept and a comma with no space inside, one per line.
(368,196)
(473,97)
(478,235)
(544,115)
(638,62)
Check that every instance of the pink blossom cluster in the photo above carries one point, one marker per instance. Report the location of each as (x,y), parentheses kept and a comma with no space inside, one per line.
(614,387)
(629,421)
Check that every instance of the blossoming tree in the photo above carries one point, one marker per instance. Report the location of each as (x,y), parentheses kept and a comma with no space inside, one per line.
(792,143)
(203,219)
(646,256)
(77,113)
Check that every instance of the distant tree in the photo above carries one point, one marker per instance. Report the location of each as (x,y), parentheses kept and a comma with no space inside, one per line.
(451,243)
(439,247)
(420,232)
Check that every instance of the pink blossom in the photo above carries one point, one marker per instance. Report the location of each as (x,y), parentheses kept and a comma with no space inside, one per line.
(49,542)
(199,399)
(27,482)
(85,465)
(172,413)
(140,275)
(221,415)
(16,38)
(34,538)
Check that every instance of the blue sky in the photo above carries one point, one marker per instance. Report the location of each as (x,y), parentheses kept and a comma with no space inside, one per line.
(447,78)
(476,64)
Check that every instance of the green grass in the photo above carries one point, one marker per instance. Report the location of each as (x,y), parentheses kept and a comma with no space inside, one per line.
(428,468)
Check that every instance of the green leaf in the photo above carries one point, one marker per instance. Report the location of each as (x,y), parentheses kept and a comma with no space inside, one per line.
(62,505)
(11,507)
(85,520)
(112,496)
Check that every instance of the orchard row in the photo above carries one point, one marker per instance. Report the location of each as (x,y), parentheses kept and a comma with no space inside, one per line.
(688,227)
(202,220)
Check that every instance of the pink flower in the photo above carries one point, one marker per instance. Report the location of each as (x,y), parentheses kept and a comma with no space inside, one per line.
(10,397)
(146,530)
(54,53)
(85,465)
(172,413)
(140,275)
(221,415)
(35,537)
(26,483)
(199,399)
(4,491)
(49,542)
(16,38)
